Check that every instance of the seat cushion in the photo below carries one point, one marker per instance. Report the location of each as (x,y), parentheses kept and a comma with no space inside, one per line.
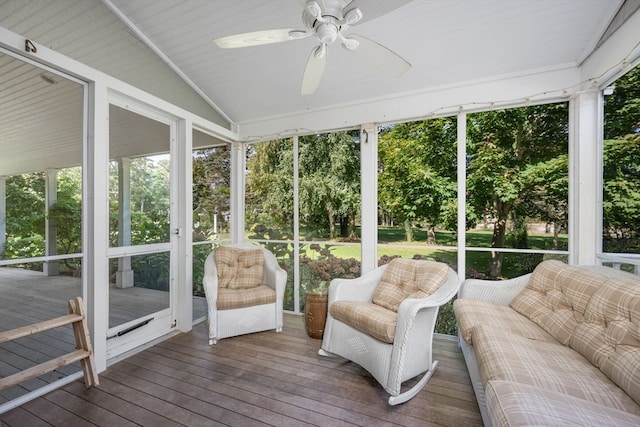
(471,313)
(368,318)
(239,268)
(408,278)
(237,298)
(513,404)
(503,356)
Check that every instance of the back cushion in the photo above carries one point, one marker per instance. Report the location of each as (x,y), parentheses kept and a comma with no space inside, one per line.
(408,278)
(556,297)
(239,268)
(609,334)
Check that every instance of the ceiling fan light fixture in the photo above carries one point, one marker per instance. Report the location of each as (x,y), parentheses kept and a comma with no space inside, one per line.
(352,16)
(314,9)
(320,51)
(349,43)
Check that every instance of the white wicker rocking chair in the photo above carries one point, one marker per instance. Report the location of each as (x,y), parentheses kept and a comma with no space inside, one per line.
(399,352)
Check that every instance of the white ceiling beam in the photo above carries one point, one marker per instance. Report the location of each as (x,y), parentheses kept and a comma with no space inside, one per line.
(500,92)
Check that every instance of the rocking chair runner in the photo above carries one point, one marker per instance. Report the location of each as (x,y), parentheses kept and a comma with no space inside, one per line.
(384,321)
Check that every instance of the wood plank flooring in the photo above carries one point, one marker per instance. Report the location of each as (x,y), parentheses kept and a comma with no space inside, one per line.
(27,297)
(251,380)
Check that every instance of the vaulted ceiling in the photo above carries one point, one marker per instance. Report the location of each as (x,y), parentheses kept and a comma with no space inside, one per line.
(449,43)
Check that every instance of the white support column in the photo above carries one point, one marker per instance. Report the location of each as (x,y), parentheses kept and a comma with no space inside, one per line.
(462,194)
(50,268)
(238,166)
(95,219)
(3,213)
(585,176)
(182,172)
(124,275)
(369,196)
(296,225)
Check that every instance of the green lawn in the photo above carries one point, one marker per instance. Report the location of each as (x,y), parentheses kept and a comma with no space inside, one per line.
(392,243)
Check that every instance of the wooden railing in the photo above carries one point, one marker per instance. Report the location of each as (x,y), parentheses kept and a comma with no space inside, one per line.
(83,352)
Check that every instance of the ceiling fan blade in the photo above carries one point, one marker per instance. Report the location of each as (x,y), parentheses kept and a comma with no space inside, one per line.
(314,70)
(256,38)
(380,57)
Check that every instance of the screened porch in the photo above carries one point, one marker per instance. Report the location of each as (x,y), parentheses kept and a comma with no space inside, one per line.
(131,146)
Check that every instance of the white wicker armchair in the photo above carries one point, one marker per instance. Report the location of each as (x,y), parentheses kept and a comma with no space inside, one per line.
(229,313)
(410,353)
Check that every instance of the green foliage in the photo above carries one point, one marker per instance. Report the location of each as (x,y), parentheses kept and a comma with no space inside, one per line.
(512,154)
(151,271)
(329,184)
(621,202)
(25,216)
(446,322)
(621,166)
(150,206)
(200,254)
(211,191)
(622,108)
(269,185)
(28,246)
(417,173)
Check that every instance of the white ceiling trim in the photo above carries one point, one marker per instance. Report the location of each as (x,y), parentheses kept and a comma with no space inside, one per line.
(545,85)
(617,55)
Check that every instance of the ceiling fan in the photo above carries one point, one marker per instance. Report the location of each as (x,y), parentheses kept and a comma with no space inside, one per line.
(327,25)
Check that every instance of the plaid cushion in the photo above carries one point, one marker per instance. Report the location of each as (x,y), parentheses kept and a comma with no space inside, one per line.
(556,297)
(609,334)
(471,313)
(237,298)
(371,319)
(239,268)
(513,404)
(408,278)
(553,367)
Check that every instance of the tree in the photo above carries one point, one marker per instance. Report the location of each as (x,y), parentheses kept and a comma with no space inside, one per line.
(621,190)
(269,185)
(211,190)
(622,108)
(417,172)
(150,204)
(503,148)
(621,166)
(25,216)
(329,183)
(547,184)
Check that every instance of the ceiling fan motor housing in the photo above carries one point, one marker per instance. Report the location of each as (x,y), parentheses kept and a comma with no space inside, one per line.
(324,24)
(327,32)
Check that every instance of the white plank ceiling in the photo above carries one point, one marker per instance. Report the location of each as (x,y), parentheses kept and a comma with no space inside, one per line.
(450,44)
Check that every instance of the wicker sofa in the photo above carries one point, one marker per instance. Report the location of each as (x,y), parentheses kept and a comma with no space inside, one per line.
(559,346)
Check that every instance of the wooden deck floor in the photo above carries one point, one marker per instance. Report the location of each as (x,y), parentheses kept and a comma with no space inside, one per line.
(27,297)
(252,380)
